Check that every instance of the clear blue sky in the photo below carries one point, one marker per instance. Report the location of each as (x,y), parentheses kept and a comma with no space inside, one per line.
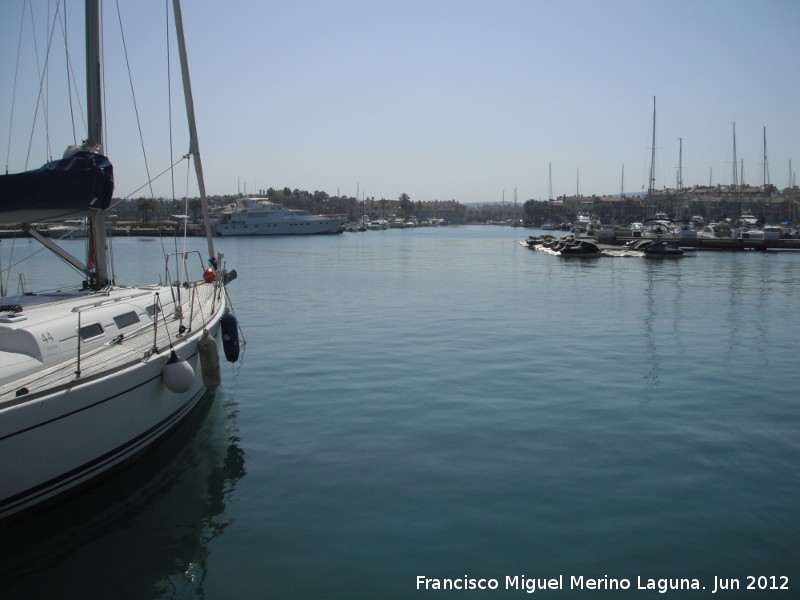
(440,99)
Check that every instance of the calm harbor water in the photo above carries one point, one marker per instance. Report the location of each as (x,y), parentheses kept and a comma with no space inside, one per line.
(447,403)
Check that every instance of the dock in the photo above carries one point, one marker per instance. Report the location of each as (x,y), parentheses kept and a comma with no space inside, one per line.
(731,244)
(6,234)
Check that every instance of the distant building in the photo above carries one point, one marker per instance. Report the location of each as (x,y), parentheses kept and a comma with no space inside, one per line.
(766,203)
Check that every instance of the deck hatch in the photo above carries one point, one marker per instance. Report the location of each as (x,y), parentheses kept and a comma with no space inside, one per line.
(126,319)
(91,331)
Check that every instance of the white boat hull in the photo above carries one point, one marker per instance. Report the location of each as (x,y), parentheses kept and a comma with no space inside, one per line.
(306,227)
(50,457)
(66,431)
(259,216)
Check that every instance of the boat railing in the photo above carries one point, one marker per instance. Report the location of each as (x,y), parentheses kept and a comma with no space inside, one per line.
(182,260)
(185,280)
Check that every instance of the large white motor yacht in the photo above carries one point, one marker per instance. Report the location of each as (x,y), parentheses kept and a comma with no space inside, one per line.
(259,216)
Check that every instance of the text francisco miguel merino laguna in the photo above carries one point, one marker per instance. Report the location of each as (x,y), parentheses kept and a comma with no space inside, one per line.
(532,584)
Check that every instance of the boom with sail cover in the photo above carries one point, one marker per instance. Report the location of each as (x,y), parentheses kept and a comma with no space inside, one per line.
(75,186)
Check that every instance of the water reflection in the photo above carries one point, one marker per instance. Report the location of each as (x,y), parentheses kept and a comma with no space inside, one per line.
(663,281)
(652,376)
(146,532)
(751,280)
(729,305)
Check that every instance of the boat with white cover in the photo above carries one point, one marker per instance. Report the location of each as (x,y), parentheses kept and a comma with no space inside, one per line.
(719,230)
(92,376)
(259,216)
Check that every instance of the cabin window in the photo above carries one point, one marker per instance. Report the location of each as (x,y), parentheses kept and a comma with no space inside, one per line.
(126,319)
(152,309)
(90,332)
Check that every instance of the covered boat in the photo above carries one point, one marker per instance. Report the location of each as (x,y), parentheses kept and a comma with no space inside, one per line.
(568,246)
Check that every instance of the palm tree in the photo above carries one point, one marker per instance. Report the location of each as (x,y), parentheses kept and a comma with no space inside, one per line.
(405,204)
(146,207)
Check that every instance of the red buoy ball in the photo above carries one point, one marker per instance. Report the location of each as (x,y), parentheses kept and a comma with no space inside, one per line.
(209,276)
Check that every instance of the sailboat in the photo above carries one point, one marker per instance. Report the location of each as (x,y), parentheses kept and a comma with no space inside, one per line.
(651,184)
(92,376)
(658,226)
(549,225)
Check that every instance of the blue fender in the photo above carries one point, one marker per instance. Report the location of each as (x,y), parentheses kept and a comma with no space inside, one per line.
(230,337)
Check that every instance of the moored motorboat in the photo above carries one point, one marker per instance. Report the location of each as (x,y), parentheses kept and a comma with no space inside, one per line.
(659,227)
(70,229)
(534,240)
(638,244)
(654,248)
(716,231)
(582,248)
(568,246)
(259,216)
(661,249)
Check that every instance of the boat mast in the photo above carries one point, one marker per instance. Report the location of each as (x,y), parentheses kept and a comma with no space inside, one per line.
(194,145)
(735,167)
(652,184)
(622,183)
(766,168)
(680,176)
(550,178)
(98,252)
(93,94)
(735,161)
(766,192)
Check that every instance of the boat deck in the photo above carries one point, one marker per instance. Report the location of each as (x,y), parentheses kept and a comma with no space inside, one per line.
(199,303)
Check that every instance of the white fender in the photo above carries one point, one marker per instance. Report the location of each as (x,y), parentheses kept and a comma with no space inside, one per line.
(178,375)
(209,361)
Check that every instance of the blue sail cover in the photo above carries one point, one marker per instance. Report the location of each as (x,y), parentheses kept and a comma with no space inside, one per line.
(70,187)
